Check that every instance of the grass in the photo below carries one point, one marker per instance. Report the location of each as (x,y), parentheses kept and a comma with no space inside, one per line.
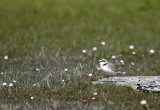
(50,35)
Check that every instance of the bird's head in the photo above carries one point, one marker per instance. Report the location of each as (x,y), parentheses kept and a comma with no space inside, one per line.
(102,61)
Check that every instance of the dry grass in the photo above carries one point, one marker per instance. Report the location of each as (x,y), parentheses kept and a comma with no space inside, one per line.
(76,91)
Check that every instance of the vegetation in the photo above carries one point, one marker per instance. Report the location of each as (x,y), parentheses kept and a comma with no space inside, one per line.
(44,40)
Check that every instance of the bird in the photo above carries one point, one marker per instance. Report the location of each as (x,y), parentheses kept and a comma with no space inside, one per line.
(108,67)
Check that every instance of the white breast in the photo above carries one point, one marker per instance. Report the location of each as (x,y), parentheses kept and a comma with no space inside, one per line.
(107,70)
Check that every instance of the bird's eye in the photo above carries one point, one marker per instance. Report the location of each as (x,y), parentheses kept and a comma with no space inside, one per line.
(105,64)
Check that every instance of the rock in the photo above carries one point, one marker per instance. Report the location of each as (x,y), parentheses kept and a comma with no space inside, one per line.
(138,83)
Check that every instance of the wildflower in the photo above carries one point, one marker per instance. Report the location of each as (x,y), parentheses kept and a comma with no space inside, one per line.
(10,84)
(132,63)
(103,43)
(122,62)
(90,74)
(143,102)
(95,93)
(37,69)
(14,81)
(84,51)
(151,51)
(66,69)
(2,73)
(93,98)
(131,47)
(32,97)
(6,57)
(62,80)
(94,48)
(133,53)
(4,84)
(113,57)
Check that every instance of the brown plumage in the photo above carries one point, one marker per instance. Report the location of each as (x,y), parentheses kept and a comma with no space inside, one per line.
(112,66)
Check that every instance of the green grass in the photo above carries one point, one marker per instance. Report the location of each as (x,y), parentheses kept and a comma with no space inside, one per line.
(50,35)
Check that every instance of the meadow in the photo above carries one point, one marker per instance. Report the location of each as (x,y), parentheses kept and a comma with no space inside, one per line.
(46,68)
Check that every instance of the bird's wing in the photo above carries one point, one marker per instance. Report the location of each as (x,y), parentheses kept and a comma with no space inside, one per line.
(112,66)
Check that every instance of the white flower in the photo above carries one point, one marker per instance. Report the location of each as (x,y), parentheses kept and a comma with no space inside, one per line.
(93,98)
(113,57)
(32,97)
(95,93)
(151,51)
(131,47)
(14,81)
(37,69)
(34,85)
(143,102)
(4,84)
(10,84)
(132,63)
(6,57)
(65,69)
(62,80)
(94,48)
(122,62)
(2,73)
(133,53)
(90,74)
(103,43)
(84,51)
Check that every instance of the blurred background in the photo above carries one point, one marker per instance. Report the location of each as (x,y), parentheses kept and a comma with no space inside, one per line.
(30,26)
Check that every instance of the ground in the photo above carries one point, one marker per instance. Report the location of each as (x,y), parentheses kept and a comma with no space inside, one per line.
(43,38)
